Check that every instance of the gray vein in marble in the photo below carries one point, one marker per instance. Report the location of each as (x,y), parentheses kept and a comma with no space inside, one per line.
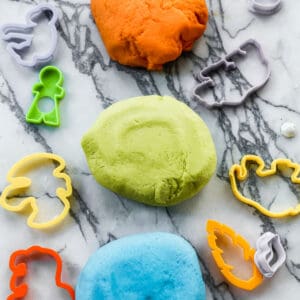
(13,105)
(148,86)
(235,34)
(87,58)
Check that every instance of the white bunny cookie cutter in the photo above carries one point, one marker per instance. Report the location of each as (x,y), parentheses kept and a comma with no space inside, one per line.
(19,36)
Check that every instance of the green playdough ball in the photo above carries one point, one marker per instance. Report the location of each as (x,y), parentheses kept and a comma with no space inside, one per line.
(151,149)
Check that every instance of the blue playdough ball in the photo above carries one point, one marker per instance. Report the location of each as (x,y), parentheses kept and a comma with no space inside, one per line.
(156,266)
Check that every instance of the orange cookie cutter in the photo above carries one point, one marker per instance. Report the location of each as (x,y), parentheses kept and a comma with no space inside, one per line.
(212,227)
(240,173)
(19,270)
(21,183)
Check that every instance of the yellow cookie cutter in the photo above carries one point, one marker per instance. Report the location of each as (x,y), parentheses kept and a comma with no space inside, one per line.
(240,172)
(19,184)
(212,227)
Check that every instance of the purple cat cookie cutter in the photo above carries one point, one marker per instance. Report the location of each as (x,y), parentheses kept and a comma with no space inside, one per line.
(270,254)
(19,36)
(264,7)
(228,64)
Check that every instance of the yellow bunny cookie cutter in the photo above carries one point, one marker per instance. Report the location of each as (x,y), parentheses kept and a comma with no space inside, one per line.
(213,227)
(20,183)
(240,173)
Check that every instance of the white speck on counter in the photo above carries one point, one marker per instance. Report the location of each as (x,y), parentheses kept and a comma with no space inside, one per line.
(288,129)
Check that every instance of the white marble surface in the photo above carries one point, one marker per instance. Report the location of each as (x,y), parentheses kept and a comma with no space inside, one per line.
(93,82)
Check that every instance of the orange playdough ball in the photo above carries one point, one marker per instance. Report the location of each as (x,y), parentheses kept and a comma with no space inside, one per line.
(149,33)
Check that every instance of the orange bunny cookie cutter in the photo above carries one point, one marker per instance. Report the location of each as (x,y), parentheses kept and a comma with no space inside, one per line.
(20,183)
(240,173)
(213,227)
(20,270)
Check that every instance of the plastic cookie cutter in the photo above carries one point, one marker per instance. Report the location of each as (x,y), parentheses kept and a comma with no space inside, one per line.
(270,254)
(240,173)
(213,228)
(50,86)
(266,260)
(228,64)
(19,271)
(264,7)
(20,37)
(19,184)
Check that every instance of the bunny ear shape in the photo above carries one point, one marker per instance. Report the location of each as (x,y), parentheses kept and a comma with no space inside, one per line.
(19,184)
(16,33)
(240,173)
(213,227)
(17,36)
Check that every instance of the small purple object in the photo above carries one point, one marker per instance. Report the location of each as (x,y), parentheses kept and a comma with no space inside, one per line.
(270,254)
(228,64)
(19,36)
(264,7)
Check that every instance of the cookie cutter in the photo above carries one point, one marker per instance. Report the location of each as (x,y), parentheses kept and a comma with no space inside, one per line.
(270,254)
(20,270)
(240,173)
(263,8)
(20,183)
(50,85)
(212,227)
(229,64)
(20,37)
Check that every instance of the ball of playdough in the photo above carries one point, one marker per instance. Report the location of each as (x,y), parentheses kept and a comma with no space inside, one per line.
(149,33)
(151,149)
(155,266)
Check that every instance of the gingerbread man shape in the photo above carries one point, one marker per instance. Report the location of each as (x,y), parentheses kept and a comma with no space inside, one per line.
(50,86)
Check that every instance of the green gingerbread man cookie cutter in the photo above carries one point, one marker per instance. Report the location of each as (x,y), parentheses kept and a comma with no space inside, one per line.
(50,86)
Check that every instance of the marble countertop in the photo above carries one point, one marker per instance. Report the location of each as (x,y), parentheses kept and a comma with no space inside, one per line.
(93,82)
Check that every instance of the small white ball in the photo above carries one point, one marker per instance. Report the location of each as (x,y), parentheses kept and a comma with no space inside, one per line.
(288,129)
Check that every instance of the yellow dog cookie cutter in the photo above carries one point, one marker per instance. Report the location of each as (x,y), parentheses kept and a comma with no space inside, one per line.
(20,183)
(240,172)
(213,227)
